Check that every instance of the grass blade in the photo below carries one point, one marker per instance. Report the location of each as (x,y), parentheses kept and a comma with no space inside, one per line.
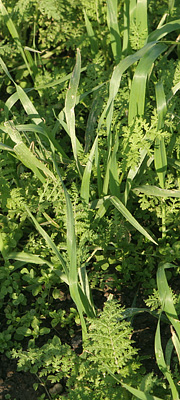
(126,214)
(50,243)
(92,37)
(80,299)
(138,88)
(161,363)
(156,191)
(160,158)
(25,155)
(115,84)
(13,32)
(114,29)
(139,394)
(70,103)
(176,343)
(85,185)
(164,30)
(166,298)
(141,20)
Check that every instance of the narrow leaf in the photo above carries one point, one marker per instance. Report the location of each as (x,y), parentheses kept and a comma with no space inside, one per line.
(156,191)
(114,29)
(70,103)
(124,211)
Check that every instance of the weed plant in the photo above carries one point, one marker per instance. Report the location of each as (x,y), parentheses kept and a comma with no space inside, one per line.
(89,185)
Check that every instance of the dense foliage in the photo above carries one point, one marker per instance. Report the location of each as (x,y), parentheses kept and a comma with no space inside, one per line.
(89,191)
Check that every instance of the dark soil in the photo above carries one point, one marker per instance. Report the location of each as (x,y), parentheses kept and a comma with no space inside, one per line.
(16,385)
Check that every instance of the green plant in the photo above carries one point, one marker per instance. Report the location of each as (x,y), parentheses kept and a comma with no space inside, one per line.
(108,345)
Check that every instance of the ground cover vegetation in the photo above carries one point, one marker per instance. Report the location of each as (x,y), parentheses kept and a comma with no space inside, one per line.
(90,193)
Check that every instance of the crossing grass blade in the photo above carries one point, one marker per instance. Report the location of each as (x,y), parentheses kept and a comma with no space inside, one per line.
(115,84)
(70,103)
(41,131)
(156,191)
(91,35)
(160,158)
(159,33)
(126,214)
(25,155)
(138,88)
(114,29)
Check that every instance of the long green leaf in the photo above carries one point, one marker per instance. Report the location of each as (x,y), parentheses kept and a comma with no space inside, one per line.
(50,243)
(76,292)
(85,185)
(115,84)
(160,158)
(176,343)
(114,29)
(141,20)
(139,394)
(166,298)
(90,32)
(138,88)
(25,155)
(70,103)
(13,32)
(156,191)
(124,211)
(34,259)
(161,363)
(164,30)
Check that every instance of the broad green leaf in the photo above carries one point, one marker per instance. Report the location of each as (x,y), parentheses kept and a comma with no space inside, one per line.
(114,29)
(115,84)
(141,20)
(168,351)
(138,88)
(156,191)
(161,104)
